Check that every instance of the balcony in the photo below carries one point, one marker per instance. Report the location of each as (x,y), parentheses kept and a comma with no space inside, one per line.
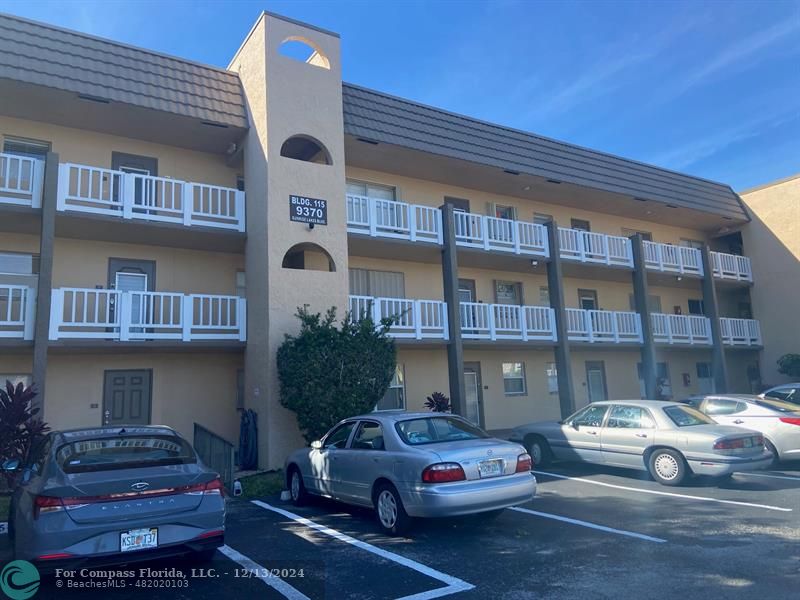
(17,312)
(591,247)
(740,332)
(503,235)
(390,219)
(681,329)
(415,319)
(99,191)
(604,326)
(731,267)
(21,180)
(673,259)
(416,223)
(129,316)
(507,322)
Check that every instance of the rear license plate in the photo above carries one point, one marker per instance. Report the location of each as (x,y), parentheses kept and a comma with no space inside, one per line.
(490,468)
(138,539)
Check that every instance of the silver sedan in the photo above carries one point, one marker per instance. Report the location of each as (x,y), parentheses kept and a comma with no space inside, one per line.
(668,439)
(408,465)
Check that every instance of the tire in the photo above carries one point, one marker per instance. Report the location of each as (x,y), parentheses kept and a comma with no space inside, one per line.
(775,458)
(538,447)
(667,467)
(392,516)
(297,488)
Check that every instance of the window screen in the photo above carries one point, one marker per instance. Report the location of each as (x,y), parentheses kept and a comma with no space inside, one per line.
(382,284)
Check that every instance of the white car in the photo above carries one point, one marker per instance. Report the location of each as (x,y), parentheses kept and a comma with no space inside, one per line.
(779,421)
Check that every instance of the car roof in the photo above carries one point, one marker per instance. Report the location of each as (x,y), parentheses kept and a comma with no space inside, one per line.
(88,432)
(393,416)
(642,403)
(740,397)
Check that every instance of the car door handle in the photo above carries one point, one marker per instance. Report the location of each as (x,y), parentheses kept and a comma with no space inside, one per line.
(592,432)
(738,422)
(641,435)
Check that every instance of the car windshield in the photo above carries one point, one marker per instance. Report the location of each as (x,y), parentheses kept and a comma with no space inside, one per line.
(779,405)
(686,416)
(123,452)
(432,430)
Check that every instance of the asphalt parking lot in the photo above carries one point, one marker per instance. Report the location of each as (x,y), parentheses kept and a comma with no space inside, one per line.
(591,532)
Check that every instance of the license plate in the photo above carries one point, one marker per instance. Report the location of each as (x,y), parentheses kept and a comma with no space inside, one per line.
(490,468)
(138,539)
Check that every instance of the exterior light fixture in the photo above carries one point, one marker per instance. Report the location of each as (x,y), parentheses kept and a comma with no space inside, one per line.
(679,278)
(534,263)
(526,188)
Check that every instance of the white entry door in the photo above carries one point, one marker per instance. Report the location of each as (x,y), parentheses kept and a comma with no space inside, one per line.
(133,282)
(472,397)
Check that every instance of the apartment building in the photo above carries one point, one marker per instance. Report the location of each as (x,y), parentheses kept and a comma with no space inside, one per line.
(161,221)
(775,230)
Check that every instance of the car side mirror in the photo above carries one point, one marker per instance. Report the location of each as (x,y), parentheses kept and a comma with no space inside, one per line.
(316,445)
(575,425)
(10,465)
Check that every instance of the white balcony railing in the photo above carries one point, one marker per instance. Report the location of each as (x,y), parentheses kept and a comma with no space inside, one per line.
(681,329)
(17,311)
(133,196)
(731,266)
(21,180)
(390,219)
(591,247)
(603,326)
(740,332)
(673,259)
(416,319)
(115,315)
(490,233)
(506,322)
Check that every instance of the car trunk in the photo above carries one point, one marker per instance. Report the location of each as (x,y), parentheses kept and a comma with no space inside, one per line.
(126,494)
(744,443)
(475,457)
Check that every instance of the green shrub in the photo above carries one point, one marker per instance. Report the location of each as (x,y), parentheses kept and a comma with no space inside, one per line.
(20,430)
(328,374)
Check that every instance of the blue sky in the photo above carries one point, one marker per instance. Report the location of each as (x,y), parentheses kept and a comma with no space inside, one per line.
(707,88)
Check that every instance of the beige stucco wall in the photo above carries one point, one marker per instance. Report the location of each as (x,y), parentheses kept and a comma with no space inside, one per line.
(187,389)
(94,149)
(84,263)
(418,191)
(15,364)
(772,241)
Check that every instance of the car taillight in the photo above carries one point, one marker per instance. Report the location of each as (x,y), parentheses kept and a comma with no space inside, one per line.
(790,420)
(524,463)
(46,504)
(729,444)
(443,473)
(215,488)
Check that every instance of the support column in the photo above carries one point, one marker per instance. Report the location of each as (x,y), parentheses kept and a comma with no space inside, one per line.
(455,346)
(719,366)
(641,293)
(44,287)
(555,287)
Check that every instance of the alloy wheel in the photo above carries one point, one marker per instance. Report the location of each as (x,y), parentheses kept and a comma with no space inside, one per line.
(387,509)
(666,466)
(295,488)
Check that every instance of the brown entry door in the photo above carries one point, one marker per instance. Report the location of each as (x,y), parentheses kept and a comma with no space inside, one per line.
(127,397)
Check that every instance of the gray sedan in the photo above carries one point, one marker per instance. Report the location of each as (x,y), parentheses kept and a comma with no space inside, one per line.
(668,439)
(409,465)
(114,495)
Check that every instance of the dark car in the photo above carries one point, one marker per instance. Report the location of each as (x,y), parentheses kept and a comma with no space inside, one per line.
(114,495)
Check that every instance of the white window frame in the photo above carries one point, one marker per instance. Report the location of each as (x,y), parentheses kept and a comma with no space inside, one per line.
(371,184)
(524,391)
(398,382)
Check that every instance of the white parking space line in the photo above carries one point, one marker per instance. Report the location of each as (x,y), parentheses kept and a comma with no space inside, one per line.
(671,494)
(453,584)
(789,477)
(276,583)
(632,534)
